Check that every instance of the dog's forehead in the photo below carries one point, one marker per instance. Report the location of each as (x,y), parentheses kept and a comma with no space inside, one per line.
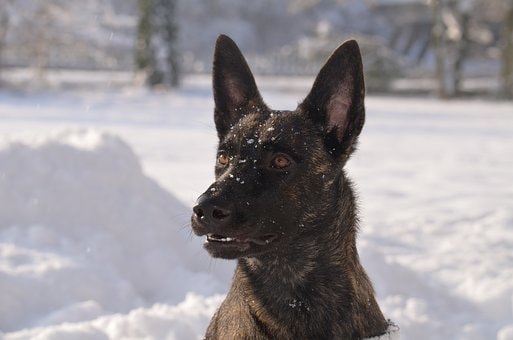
(271,126)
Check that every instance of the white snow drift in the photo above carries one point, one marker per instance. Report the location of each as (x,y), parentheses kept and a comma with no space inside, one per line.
(84,233)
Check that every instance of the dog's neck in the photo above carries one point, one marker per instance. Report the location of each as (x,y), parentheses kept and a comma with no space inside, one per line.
(302,262)
(314,270)
(300,276)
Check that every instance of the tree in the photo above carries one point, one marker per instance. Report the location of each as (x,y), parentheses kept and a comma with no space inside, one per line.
(143,52)
(450,38)
(4,26)
(506,75)
(157,54)
(38,30)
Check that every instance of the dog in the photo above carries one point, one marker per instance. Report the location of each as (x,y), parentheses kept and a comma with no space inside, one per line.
(283,207)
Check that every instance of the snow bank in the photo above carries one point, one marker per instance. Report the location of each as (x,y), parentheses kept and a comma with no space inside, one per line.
(84,233)
(186,320)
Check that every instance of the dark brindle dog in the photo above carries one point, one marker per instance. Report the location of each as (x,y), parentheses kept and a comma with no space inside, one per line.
(283,207)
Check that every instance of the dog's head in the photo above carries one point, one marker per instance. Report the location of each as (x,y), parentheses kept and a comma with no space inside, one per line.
(277,171)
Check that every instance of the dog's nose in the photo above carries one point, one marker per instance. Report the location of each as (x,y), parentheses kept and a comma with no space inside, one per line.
(212,213)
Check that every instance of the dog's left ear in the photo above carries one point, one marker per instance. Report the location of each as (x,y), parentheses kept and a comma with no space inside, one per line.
(234,85)
(335,102)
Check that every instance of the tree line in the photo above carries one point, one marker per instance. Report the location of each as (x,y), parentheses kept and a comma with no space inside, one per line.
(70,31)
(460,29)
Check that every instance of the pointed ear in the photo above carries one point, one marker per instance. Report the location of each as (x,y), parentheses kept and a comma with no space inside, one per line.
(335,102)
(234,85)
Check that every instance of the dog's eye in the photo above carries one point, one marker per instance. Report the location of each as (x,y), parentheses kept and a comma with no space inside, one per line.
(280,161)
(222,159)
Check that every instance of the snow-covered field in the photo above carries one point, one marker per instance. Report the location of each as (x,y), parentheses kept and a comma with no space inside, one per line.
(95,196)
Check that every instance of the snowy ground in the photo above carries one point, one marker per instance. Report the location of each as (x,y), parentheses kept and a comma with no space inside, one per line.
(95,196)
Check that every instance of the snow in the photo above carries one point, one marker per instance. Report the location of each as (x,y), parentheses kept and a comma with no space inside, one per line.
(160,321)
(96,189)
(393,333)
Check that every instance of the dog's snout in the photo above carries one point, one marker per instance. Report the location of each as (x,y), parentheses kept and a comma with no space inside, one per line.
(198,211)
(212,213)
(219,213)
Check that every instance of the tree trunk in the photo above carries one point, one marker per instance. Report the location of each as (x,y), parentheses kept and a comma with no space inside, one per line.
(461,52)
(42,44)
(450,51)
(167,31)
(439,41)
(157,55)
(506,76)
(4,26)
(145,62)
(144,27)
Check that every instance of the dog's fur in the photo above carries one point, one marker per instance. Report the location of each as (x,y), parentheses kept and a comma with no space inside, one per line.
(282,198)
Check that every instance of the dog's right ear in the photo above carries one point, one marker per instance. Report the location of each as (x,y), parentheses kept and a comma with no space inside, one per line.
(234,85)
(335,102)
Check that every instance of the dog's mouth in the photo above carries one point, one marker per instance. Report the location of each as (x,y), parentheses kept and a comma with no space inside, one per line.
(233,246)
(261,241)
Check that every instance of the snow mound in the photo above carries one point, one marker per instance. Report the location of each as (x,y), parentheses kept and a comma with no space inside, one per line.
(183,321)
(84,233)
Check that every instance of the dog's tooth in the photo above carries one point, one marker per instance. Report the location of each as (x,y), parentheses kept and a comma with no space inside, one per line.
(214,238)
